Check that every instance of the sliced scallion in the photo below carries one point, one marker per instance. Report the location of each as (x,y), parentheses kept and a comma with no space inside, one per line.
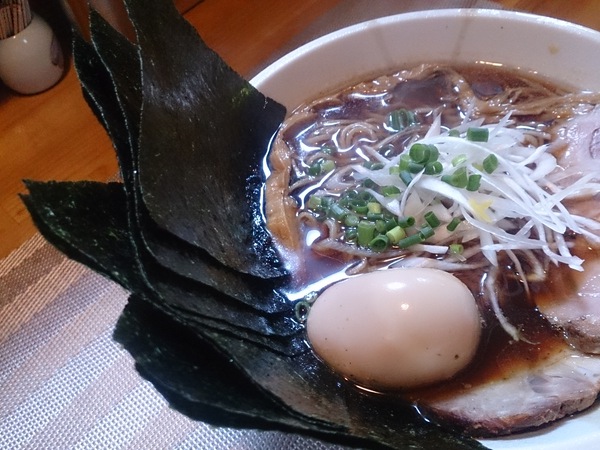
(426,232)
(314,202)
(379,243)
(337,212)
(374,207)
(406,222)
(389,191)
(455,222)
(490,163)
(419,153)
(434,168)
(432,219)
(327,166)
(351,220)
(409,241)
(395,234)
(406,177)
(456,249)
(474,182)
(458,179)
(366,232)
(459,159)
(400,119)
(478,134)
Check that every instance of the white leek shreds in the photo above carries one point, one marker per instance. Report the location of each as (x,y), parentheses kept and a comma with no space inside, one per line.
(513,208)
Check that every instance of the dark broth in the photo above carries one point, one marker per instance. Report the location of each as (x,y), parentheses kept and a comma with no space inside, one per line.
(436,90)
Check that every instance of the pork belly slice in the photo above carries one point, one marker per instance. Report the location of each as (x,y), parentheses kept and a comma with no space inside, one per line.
(567,383)
(575,307)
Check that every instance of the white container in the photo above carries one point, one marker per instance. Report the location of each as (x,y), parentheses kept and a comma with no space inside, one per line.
(31,61)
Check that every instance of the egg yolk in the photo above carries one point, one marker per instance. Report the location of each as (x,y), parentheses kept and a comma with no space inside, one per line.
(397,328)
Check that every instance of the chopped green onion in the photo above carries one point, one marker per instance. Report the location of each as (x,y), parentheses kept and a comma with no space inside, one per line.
(326,202)
(327,165)
(350,234)
(390,222)
(454,133)
(368,183)
(434,153)
(373,165)
(366,232)
(365,195)
(351,220)
(389,191)
(456,249)
(301,310)
(404,162)
(434,168)
(419,153)
(409,241)
(406,222)
(414,167)
(432,219)
(406,177)
(474,182)
(374,216)
(359,206)
(455,222)
(394,170)
(395,234)
(478,134)
(426,232)
(350,193)
(459,159)
(379,243)
(337,212)
(314,202)
(458,179)
(314,169)
(380,226)
(490,163)
(374,207)
(401,118)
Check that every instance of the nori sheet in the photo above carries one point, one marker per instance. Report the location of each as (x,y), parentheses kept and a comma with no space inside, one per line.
(117,57)
(204,133)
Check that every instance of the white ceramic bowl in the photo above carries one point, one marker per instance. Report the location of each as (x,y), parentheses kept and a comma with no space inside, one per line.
(560,51)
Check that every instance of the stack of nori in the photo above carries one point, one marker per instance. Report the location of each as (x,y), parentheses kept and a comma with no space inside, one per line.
(183,231)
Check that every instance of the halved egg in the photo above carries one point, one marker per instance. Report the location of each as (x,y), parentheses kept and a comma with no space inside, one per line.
(396,328)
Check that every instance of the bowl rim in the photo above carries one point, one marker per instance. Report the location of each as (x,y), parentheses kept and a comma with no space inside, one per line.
(304,54)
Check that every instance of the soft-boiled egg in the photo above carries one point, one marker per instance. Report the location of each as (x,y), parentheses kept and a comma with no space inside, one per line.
(396,328)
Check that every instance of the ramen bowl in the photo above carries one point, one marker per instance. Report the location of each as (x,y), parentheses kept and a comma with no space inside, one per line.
(543,47)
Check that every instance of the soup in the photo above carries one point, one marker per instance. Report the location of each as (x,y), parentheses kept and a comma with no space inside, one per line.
(468,170)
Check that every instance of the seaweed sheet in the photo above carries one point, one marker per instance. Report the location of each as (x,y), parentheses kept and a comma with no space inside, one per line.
(213,173)
(116,59)
(289,389)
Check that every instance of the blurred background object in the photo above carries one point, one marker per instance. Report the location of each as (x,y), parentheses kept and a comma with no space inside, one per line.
(31,58)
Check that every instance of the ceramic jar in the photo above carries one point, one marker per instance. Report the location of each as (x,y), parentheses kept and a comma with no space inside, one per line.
(31,61)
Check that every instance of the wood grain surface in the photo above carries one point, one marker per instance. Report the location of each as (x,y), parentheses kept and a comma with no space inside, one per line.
(53,135)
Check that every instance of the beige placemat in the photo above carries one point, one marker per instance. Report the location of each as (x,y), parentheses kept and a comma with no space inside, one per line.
(64,383)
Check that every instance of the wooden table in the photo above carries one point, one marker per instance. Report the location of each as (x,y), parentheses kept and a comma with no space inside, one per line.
(53,135)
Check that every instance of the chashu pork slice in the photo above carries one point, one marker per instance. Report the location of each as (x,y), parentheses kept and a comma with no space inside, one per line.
(567,383)
(574,306)
(575,310)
